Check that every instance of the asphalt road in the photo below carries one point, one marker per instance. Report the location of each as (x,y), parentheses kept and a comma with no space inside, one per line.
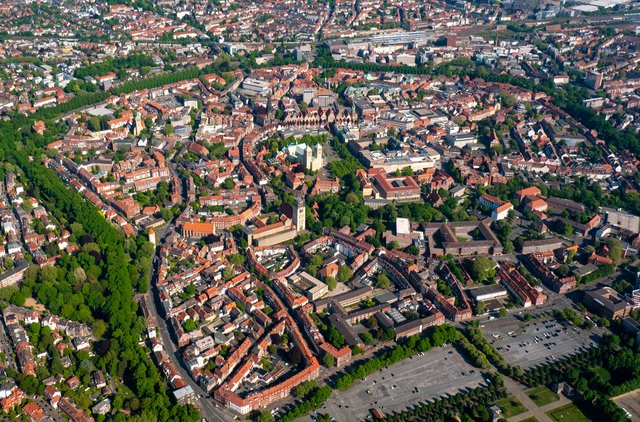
(48,410)
(6,347)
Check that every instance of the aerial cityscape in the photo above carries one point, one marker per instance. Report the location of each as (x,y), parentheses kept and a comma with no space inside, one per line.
(362,210)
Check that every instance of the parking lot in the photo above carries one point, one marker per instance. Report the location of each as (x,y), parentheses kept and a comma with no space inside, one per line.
(527,344)
(435,373)
(630,402)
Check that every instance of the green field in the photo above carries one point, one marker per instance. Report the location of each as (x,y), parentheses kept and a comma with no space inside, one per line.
(531,419)
(510,406)
(542,395)
(567,413)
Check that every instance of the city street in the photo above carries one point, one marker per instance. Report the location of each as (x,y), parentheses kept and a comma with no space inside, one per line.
(5,346)
(48,410)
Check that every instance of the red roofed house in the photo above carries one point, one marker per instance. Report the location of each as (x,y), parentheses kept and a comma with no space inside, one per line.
(35,412)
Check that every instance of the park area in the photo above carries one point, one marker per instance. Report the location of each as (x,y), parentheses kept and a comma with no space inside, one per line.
(567,413)
(510,406)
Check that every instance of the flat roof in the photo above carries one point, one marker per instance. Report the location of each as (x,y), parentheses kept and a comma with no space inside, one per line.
(487,290)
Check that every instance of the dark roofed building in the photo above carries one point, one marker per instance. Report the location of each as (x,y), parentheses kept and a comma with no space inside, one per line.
(607,303)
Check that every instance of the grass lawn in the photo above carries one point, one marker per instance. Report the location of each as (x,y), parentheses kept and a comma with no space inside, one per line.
(603,372)
(542,395)
(531,419)
(567,413)
(510,406)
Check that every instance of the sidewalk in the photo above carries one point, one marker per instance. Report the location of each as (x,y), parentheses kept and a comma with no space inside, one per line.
(539,412)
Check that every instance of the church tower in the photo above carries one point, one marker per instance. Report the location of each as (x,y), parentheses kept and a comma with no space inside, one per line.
(299,216)
(138,125)
(152,237)
(317,157)
(308,158)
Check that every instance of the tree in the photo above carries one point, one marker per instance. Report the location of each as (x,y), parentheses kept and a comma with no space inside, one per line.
(370,322)
(228,273)
(367,338)
(19,297)
(482,268)
(34,329)
(228,184)
(382,281)
(93,124)
(302,390)
(236,259)
(166,214)
(31,274)
(335,337)
(621,286)
(331,282)
(189,325)
(502,312)
(48,274)
(266,416)
(328,360)
(284,339)
(99,327)
(615,249)
(507,100)
(29,385)
(412,250)
(344,382)
(314,264)
(324,417)
(387,334)
(79,275)
(344,274)
(566,228)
